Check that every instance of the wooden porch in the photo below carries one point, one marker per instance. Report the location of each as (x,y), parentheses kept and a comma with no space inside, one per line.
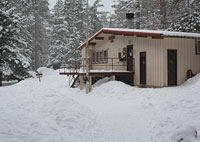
(103,73)
(109,67)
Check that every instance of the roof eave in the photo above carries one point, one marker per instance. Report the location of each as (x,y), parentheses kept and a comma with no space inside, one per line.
(133,33)
(93,37)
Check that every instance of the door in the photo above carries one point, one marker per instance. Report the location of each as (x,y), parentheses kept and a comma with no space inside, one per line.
(172,67)
(129,57)
(143,68)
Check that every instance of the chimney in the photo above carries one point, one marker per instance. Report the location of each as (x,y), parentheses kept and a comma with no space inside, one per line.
(130,17)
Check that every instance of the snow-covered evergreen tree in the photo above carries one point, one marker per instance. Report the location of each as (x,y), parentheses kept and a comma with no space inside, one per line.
(143,13)
(13,59)
(118,19)
(105,18)
(154,14)
(59,51)
(95,23)
(187,23)
(74,16)
(34,22)
(68,28)
(39,30)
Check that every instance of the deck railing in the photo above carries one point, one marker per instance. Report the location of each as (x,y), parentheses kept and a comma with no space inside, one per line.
(95,64)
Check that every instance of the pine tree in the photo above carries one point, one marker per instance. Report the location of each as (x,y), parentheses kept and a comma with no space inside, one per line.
(34,22)
(59,51)
(95,24)
(74,16)
(119,18)
(187,23)
(39,31)
(68,28)
(12,60)
(105,19)
(154,14)
(141,10)
(195,5)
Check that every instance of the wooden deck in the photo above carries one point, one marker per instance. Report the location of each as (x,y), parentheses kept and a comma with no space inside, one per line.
(101,73)
(78,76)
(109,67)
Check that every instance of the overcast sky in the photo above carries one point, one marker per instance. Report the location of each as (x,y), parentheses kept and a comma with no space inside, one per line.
(107,4)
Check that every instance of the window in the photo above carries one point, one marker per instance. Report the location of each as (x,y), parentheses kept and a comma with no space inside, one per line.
(197,46)
(105,56)
(93,58)
(101,56)
(97,56)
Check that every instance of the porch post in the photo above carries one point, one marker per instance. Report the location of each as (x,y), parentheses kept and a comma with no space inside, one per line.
(90,87)
(86,51)
(81,82)
(113,77)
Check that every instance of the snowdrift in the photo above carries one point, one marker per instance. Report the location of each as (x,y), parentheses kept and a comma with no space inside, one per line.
(33,111)
(47,71)
(162,114)
(36,112)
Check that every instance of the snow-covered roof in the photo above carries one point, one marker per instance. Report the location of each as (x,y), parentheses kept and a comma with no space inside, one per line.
(162,33)
(137,32)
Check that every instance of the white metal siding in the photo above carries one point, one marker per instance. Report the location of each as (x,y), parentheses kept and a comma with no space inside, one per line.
(156,52)
(186,57)
(113,48)
(155,60)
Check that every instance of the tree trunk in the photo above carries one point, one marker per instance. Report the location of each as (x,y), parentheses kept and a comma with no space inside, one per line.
(36,39)
(163,14)
(1,74)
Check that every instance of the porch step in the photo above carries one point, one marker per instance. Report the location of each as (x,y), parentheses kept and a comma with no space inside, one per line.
(75,82)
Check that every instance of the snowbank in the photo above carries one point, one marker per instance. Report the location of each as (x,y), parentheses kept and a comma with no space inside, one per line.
(194,81)
(33,111)
(47,71)
(158,115)
(101,81)
(32,73)
(111,88)
(188,134)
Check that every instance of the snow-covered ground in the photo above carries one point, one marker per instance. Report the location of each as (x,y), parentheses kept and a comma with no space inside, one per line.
(50,111)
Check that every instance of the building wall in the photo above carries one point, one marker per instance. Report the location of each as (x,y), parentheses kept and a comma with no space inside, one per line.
(156,55)
(113,48)
(154,60)
(186,57)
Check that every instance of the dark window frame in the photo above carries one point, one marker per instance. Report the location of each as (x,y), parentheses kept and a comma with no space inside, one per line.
(197,46)
(105,59)
(100,57)
(97,57)
(94,57)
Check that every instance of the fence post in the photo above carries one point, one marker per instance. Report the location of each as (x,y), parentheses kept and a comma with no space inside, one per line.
(1,74)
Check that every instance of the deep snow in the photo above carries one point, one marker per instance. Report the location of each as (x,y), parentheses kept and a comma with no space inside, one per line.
(50,111)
